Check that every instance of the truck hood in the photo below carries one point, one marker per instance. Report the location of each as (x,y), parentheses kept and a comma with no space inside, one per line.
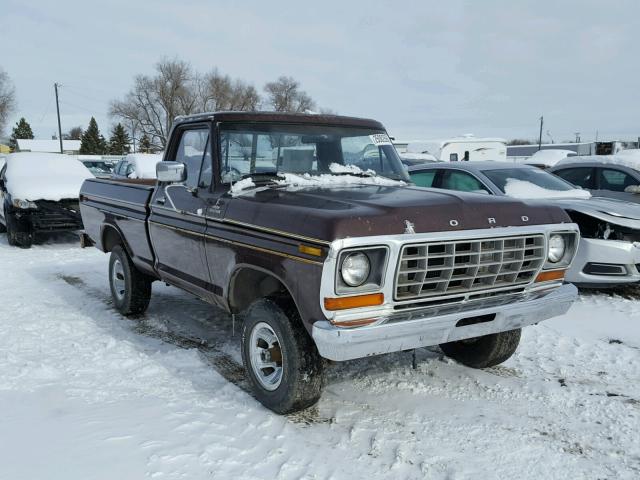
(329,214)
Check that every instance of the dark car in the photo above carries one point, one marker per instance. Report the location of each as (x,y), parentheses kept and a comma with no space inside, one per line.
(39,194)
(609,253)
(602,179)
(308,227)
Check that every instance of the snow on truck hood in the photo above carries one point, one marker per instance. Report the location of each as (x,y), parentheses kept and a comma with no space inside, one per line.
(44,176)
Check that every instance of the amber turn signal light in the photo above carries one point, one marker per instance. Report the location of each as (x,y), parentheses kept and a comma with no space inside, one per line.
(550,275)
(344,303)
(315,251)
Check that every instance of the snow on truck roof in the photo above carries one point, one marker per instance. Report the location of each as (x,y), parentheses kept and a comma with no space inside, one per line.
(44,176)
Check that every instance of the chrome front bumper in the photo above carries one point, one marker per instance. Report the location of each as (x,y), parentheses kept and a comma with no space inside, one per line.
(435,325)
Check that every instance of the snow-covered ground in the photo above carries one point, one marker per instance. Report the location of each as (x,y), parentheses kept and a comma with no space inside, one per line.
(87,394)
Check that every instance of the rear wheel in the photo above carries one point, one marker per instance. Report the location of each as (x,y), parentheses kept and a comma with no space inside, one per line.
(130,288)
(485,351)
(285,368)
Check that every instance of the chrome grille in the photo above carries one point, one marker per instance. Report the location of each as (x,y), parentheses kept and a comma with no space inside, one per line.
(461,266)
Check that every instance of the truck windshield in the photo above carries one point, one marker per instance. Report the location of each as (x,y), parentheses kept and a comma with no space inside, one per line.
(265,150)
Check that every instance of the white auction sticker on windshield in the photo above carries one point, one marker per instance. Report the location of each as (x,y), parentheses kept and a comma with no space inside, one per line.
(380,139)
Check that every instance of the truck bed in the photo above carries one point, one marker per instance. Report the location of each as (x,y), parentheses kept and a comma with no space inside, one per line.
(121,206)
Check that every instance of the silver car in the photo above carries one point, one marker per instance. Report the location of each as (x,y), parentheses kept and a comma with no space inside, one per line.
(609,250)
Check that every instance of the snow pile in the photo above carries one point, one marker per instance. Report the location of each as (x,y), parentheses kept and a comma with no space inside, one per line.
(144,164)
(44,176)
(629,159)
(94,395)
(523,189)
(241,185)
(426,157)
(353,169)
(549,157)
(328,180)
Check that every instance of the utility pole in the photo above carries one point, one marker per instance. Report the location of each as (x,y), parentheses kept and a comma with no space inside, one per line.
(540,136)
(55,86)
(133,136)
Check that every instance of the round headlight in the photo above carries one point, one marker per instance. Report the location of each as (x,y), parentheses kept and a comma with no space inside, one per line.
(355,269)
(557,248)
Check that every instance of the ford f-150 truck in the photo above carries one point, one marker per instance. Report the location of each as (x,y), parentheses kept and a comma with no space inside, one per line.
(309,227)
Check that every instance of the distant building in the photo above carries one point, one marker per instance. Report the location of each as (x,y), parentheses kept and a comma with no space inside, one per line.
(48,146)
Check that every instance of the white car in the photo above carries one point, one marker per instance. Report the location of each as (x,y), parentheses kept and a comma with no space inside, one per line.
(609,249)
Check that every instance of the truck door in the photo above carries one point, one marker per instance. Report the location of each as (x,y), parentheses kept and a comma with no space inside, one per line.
(177,221)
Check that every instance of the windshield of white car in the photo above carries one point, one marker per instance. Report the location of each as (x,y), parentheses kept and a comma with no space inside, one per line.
(532,175)
(265,151)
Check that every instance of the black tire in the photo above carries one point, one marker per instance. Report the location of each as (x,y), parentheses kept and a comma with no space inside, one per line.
(130,288)
(302,368)
(485,351)
(15,237)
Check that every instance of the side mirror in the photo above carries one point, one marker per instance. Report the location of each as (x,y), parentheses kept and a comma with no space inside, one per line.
(632,189)
(171,172)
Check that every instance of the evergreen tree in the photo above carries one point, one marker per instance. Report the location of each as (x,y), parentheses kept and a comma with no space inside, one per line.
(22,130)
(144,145)
(119,141)
(92,142)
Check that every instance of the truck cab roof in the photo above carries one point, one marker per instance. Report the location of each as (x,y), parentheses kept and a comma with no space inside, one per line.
(279,117)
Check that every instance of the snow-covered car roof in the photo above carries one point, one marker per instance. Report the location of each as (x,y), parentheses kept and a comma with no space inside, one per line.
(44,176)
(626,158)
(144,164)
(549,157)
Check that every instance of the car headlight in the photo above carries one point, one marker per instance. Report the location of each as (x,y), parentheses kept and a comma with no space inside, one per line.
(24,204)
(557,248)
(355,269)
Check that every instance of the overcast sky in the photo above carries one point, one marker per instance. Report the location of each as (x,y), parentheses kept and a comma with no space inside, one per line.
(425,69)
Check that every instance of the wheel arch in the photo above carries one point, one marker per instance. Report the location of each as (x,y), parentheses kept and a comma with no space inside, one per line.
(111,236)
(249,283)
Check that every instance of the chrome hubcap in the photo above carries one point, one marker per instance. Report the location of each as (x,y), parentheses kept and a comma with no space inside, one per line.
(265,356)
(117,279)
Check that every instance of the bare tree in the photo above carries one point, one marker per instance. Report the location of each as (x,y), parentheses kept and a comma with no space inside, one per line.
(7,99)
(175,89)
(74,133)
(284,95)
(220,92)
(154,101)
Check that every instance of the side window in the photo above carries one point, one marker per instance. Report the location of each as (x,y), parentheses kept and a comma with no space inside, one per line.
(191,149)
(615,180)
(424,179)
(461,181)
(581,177)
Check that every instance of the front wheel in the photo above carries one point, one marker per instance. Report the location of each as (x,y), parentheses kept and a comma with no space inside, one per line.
(485,351)
(15,237)
(130,288)
(283,363)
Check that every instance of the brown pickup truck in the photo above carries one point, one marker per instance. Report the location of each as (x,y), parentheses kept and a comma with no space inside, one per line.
(309,227)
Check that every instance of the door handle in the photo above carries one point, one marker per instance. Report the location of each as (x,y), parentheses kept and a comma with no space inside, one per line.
(160,200)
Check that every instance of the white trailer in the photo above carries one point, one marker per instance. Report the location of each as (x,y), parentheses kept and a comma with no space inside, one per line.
(465,148)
